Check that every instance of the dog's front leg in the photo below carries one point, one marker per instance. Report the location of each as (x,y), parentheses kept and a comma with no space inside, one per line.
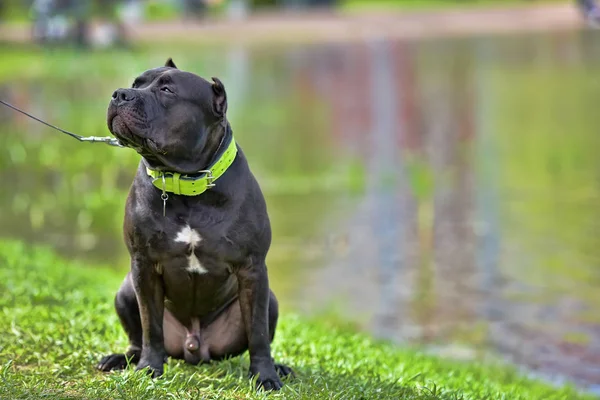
(254,302)
(150,296)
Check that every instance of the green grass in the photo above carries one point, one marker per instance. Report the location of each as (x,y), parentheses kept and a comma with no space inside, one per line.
(57,320)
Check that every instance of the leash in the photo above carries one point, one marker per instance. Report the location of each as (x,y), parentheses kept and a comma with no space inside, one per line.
(92,139)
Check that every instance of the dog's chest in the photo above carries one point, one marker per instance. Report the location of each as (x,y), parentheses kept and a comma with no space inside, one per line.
(196,275)
(198,246)
(194,252)
(187,242)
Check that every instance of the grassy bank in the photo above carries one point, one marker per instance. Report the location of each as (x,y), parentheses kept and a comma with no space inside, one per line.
(56,321)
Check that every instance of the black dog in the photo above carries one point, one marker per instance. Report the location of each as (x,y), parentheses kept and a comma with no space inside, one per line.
(197,230)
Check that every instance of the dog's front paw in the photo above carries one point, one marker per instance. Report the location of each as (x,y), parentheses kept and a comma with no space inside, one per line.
(151,365)
(267,377)
(284,371)
(118,361)
(112,362)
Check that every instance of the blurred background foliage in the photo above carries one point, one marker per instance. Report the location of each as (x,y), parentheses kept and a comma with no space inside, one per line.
(169,9)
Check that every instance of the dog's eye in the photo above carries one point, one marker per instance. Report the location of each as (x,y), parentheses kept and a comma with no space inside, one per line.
(166,89)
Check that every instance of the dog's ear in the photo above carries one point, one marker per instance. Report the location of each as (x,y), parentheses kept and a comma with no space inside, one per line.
(170,63)
(219,98)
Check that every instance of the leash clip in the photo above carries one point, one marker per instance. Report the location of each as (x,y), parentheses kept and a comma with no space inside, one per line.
(164,196)
(104,139)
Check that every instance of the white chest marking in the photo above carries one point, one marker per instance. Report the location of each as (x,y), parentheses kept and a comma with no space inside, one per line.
(192,238)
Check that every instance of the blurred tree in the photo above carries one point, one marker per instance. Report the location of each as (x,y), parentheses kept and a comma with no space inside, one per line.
(69,20)
(263,3)
(197,8)
(590,11)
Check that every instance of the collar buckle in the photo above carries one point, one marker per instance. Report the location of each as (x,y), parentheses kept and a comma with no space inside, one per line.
(209,178)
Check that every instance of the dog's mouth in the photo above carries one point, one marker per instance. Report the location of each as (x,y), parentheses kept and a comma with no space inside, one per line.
(155,155)
(119,129)
(144,146)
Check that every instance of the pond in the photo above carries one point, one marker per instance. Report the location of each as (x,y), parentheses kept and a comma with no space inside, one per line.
(442,193)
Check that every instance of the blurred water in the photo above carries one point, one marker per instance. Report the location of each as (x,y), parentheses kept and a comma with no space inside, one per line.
(441,192)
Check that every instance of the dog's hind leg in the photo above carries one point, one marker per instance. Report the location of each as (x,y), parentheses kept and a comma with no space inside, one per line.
(226,335)
(128,311)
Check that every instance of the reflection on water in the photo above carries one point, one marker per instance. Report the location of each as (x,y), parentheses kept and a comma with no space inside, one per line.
(437,193)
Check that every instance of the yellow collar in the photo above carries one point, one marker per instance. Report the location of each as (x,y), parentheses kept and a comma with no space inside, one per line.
(193,185)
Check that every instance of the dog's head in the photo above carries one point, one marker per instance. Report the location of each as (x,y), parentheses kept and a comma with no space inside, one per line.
(170,117)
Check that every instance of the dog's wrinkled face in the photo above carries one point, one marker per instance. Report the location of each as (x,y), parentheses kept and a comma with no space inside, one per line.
(169,117)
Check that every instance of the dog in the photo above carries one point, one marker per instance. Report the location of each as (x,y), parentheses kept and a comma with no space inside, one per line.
(197,231)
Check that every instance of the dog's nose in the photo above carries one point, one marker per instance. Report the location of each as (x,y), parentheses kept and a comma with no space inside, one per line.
(122,95)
